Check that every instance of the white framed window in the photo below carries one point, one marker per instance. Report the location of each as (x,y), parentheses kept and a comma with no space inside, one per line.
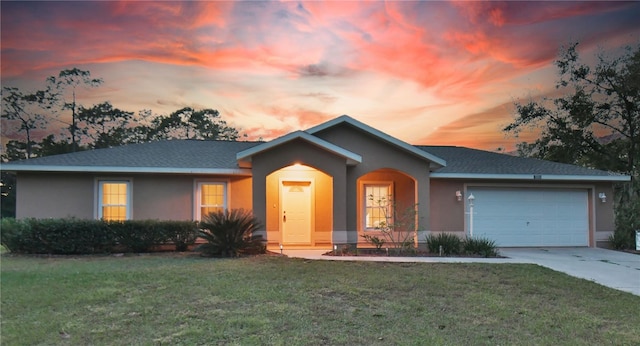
(377,201)
(114,200)
(210,197)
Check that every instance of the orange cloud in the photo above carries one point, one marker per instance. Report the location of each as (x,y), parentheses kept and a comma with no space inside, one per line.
(280,66)
(479,130)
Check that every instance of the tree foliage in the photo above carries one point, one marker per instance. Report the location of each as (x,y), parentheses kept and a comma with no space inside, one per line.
(188,123)
(68,81)
(25,109)
(103,125)
(596,122)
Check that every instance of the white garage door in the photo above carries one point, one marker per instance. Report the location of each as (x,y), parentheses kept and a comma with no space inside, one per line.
(531,217)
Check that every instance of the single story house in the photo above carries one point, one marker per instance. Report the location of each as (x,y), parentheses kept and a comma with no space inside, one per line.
(327,185)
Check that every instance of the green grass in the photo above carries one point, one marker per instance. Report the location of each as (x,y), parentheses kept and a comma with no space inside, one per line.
(269,300)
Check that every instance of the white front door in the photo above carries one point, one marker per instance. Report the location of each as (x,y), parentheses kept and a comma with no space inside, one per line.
(296,212)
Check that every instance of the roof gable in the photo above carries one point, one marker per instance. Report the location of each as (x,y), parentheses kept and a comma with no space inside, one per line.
(437,162)
(244,157)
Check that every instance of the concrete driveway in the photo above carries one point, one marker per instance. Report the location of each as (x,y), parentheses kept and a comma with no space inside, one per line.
(609,268)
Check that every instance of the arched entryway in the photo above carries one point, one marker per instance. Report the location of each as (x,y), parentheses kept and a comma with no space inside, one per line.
(386,198)
(299,201)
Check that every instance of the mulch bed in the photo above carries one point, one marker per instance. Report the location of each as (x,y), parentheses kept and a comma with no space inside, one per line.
(392,253)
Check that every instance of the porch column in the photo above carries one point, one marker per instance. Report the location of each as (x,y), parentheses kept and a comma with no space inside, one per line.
(259,193)
(340,234)
(423,191)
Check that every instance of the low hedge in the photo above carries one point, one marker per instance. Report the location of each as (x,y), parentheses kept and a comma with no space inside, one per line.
(452,245)
(72,236)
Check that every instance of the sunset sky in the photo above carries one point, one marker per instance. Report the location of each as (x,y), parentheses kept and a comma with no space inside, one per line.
(445,72)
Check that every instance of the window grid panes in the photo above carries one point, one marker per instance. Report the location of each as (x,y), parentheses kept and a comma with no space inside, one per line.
(114,201)
(377,201)
(212,198)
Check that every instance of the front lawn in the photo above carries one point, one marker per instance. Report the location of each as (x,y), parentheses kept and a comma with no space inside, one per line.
(270,300)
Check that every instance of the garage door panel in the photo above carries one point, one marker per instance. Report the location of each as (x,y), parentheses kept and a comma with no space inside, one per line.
(531,217)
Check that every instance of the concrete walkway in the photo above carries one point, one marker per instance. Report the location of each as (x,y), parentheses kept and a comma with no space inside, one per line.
(609,268)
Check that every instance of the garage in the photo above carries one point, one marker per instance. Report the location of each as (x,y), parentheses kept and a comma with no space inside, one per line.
(531,217)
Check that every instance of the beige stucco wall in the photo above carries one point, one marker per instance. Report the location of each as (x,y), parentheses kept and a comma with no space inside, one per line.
(240,193)
(54,195)
(154,196)
(447,213)
(162,197)
(604,212)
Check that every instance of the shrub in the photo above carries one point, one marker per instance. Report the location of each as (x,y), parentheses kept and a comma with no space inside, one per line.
(627,222)
(374,240)
(230,234)
(12,233)
(139,235)
(181,233)
(480,246)
(622,239)
(67,236)
(72,236)
(450,243)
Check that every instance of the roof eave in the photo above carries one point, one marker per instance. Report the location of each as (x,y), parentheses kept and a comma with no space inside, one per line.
(537,177)
(113,169)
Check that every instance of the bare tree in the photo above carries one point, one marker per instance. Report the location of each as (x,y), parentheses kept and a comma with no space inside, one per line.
(69,81)
(26,111)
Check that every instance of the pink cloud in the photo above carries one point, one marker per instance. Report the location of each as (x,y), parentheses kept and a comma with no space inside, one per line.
(313,57)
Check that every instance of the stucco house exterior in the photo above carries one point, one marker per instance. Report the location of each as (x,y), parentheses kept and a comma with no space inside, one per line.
(314,188)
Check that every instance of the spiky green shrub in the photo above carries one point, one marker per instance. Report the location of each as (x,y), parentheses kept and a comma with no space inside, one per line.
(450,243)
(479,246)
(230,233)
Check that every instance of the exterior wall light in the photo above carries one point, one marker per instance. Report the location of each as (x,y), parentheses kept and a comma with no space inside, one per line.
(602,196)
(459,195)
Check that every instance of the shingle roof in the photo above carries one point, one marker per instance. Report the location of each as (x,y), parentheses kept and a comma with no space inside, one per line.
(170,154)
(461,160)
(194,156)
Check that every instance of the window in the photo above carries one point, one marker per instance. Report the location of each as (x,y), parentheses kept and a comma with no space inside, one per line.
(114,200)
(377,202)
(211,197)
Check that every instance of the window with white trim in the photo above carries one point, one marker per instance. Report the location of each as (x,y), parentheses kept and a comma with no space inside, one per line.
(378,198)
(211,197)
(114,200)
